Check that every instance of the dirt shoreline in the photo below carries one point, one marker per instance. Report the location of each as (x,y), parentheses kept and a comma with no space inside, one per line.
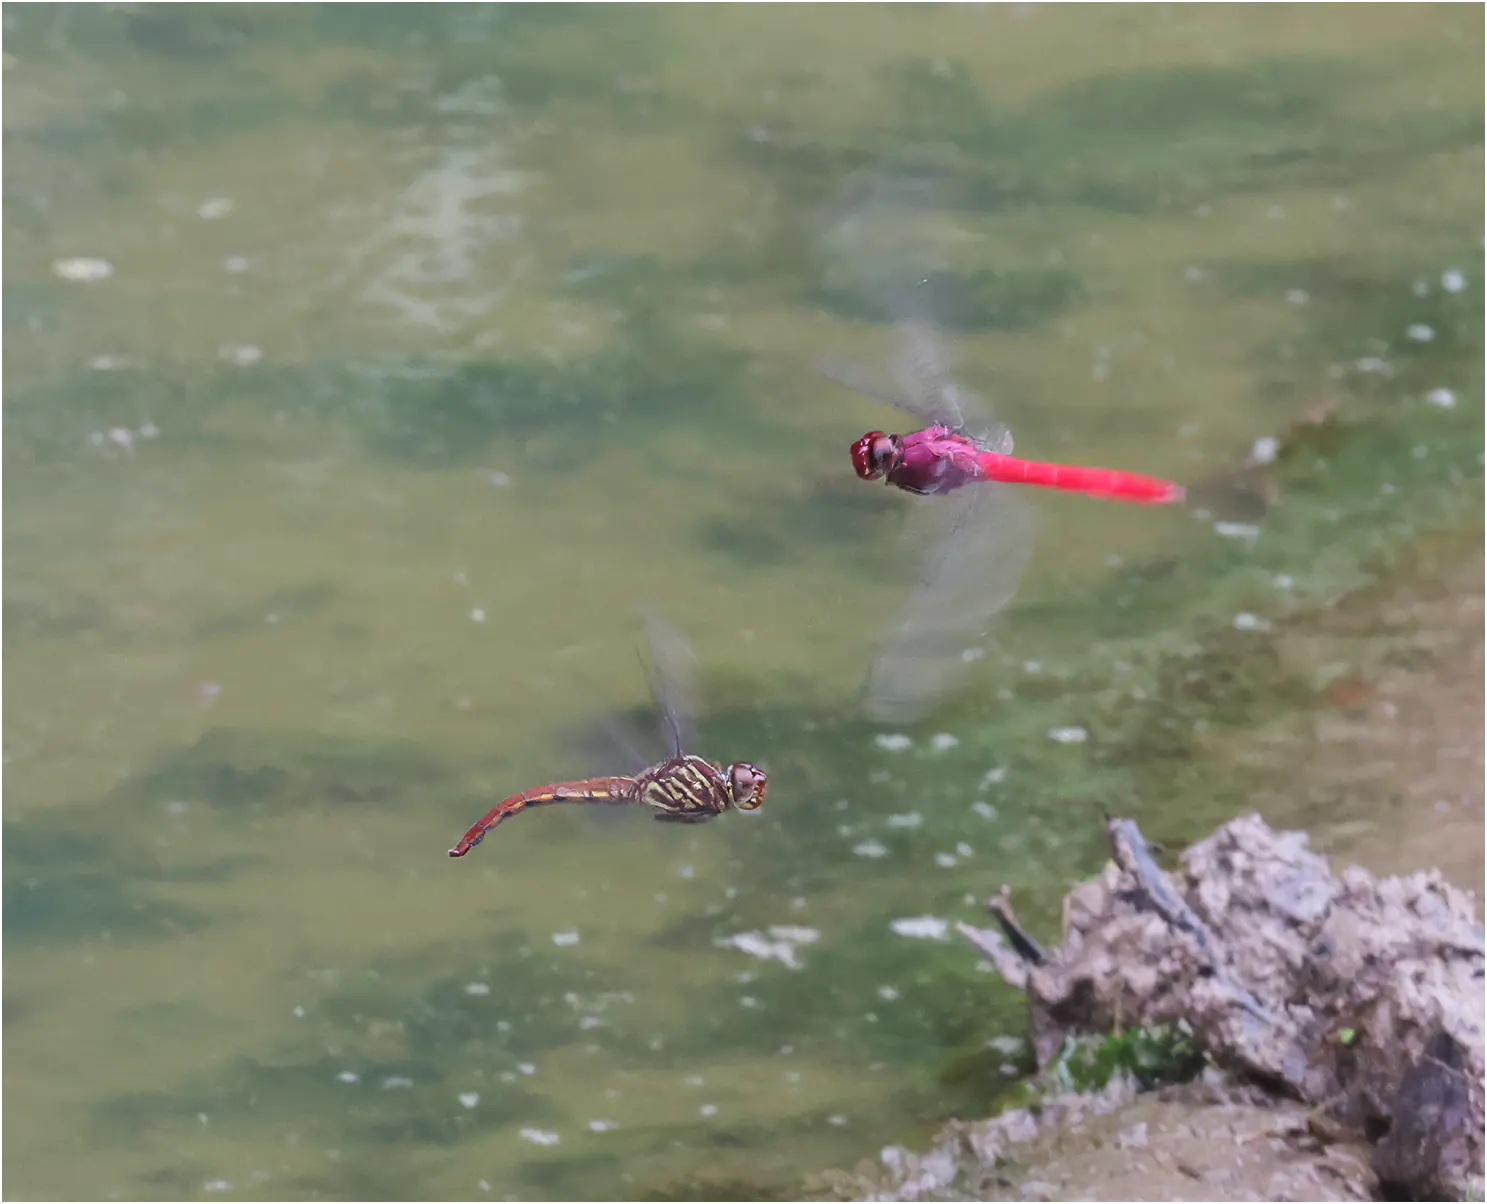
(1392,780)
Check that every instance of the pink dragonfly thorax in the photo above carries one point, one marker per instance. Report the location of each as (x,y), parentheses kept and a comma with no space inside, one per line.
(934,460)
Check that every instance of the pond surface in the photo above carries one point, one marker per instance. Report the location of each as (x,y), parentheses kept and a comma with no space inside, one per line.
(366,367)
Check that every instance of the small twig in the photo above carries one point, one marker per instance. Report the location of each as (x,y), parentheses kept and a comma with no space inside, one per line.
(1000,906)
(1133,855)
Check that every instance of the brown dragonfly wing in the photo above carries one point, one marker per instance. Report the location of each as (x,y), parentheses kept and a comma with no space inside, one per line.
(980,538)
(672,677)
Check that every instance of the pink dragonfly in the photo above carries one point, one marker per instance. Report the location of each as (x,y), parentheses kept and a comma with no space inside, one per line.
(892,241)
(680,788)
(947,454)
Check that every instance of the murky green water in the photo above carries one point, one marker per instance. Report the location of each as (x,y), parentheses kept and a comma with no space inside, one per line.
(435,339)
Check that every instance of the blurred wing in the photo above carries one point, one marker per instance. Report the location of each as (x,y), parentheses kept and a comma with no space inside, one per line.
(973,568)
(673,681)
(889,240)
(928,412)
(922,369)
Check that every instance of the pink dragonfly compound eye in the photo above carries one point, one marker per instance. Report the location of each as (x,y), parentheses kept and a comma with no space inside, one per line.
(871,455)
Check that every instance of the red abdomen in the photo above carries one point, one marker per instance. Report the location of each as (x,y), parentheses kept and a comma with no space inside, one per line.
(1097,482)
(584,790)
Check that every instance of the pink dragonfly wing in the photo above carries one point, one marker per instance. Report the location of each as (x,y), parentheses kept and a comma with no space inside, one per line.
(980,539)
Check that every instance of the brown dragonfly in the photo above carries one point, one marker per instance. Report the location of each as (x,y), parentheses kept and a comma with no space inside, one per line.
(682,789)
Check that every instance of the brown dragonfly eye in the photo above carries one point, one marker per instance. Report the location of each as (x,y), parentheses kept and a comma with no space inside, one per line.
(747,784)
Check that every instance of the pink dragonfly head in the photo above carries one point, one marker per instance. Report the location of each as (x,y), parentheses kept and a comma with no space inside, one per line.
(747,785)
(874,454)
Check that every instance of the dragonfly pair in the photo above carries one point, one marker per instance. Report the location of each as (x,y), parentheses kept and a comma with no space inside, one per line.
(891,251)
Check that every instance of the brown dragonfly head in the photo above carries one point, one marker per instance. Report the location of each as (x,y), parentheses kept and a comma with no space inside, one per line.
(747,784)
(874,454)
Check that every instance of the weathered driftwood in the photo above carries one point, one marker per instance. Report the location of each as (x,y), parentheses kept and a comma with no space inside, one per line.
(1362,997)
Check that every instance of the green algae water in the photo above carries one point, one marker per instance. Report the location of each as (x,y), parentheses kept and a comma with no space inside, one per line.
(366,366)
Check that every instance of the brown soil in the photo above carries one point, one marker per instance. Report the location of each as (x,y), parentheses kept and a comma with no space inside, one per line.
(1397,761)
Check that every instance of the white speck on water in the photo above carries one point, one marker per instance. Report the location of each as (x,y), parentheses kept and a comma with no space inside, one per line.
(925,928)
(1283,581)
(499,479)
(798,933)
(993,776)
(1452,280)
(526,1068)
(660,896)
(563,939)
(945,860)
(244,355)
(1193,275)
(236,264)
(1420,288)
(687,871)
(82,269)
(1236,530)
(780,949)
(202,1118)
(602,1126)
(121,436)
(1297,296)
(468,1099)
(694,1080)
(483,1185)
(943,742)
(299,1011)
(984,809)
(837,1119)
(1388,489)
(1264,450)
(963,850)
(870,848)
(217,207)
(396,1082)
(971,655)
(217,1185)
(95,438)
(708,1110)
(1068,735)
(892,741)
(1444,398)
(478,615)
(1419,451)
(1007,1046)
(911,819)
(148,431)
(1245,621)
(1419,332)
(349,1076)
(750,1001)
(108,363)
(888,993)
(176,808)
(477,988)
(1032,666)
(1372,363)
(539,1136)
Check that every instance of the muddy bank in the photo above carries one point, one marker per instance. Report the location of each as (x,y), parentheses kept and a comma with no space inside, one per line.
(1391,780)
(1342,1015)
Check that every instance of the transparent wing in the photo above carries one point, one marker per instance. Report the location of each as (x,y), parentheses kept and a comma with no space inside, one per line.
(672,677)
(982,536)
(889,241)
